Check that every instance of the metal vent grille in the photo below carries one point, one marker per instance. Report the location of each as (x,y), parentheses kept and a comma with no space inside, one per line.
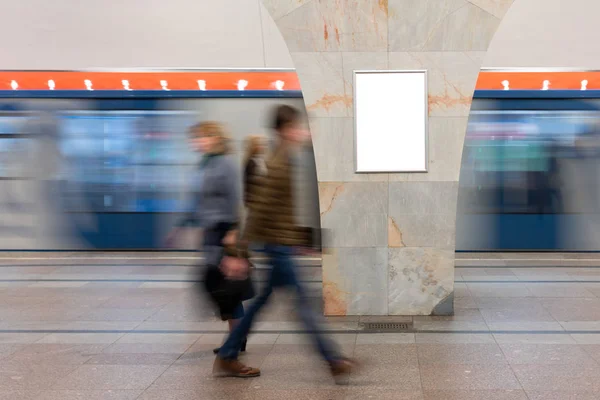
(386,326)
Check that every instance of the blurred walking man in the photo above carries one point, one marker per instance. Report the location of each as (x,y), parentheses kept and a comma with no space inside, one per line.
(272,222)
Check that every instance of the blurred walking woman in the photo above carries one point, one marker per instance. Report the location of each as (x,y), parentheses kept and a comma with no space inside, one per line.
(254,167)
(216,203)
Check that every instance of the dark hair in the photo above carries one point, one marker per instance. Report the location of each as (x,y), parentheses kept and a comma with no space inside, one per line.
(284,115)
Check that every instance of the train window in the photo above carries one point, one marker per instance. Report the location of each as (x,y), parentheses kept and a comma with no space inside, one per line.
(528,176)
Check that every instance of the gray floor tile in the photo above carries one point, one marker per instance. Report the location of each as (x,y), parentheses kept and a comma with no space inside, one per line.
(163,338)
(295,371)
(586,338)
(535,377)
(547,354)
(215,339)
(64,284)
(25,338)
(580,326)
(263,339)
(147,348)
(568,290)
(385,338)
(218,392)
(501,272)
(468,377)
(167,285)
(6,350)
(526,326)
(562,395)
(592,350)
(442,338)
(69,325)
(134,359)
(487,278)
(264,393)
(593,288)
(115,377)
(498,290)
(473,353)
(304,351)
(89,395)
(307,339)
(223,392)
(49,314)
(291,368)
(21,377)
(469,315)
(197,378)
(178,326)
(538,314)
(203,357)
(42,353)
(399,377)
(118,314)
(18,394)
(361,393)
(137,301)
(464,303)
(461,290)
(475,395)
(523,338)
(508,303)
(379,354)
(451,326)
(574,309)
(81,338)
(110,285)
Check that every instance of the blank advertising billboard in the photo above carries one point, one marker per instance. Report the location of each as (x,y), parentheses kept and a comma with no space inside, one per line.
(390,110)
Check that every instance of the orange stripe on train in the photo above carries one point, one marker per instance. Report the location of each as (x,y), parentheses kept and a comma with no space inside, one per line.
(260,80)
(502,80)
(184,80)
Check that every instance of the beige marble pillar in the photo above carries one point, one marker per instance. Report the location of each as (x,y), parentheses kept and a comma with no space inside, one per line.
(392,235)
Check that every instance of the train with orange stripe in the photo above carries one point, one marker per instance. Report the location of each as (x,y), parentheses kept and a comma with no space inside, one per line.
(113,160)
(530,163)
(100,159)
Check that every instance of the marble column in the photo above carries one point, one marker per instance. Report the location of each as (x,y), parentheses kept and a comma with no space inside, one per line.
(392,235)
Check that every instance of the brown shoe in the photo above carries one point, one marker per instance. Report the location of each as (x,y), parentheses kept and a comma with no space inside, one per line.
(341,369)
(233,368)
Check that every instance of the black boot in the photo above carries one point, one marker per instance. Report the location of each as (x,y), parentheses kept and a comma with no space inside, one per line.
(242,348)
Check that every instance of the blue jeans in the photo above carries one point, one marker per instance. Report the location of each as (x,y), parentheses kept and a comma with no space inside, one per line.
(282,274)
(238,313)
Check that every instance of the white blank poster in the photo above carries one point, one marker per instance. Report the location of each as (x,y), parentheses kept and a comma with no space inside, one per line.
(390,108)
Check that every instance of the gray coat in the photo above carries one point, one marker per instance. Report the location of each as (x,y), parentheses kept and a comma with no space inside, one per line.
(216,198)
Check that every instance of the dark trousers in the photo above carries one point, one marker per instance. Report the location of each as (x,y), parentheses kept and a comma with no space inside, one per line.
(282,274)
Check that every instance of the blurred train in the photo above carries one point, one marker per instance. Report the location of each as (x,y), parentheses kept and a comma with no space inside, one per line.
(530,168)
(104,164)
(111,169)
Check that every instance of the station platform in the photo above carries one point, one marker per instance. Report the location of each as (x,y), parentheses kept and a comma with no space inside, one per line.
(126,326)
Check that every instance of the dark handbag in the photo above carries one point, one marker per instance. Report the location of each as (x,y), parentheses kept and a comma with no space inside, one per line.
(244,285)
(248,292)
(226,293)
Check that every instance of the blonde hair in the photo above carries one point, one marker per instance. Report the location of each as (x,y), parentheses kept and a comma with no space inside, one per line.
(253,146)
(213,129)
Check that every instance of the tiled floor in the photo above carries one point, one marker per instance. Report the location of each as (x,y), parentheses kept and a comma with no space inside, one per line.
(135,331)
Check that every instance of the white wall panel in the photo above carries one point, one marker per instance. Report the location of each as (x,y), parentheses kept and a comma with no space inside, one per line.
(67,34)
(547,33)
